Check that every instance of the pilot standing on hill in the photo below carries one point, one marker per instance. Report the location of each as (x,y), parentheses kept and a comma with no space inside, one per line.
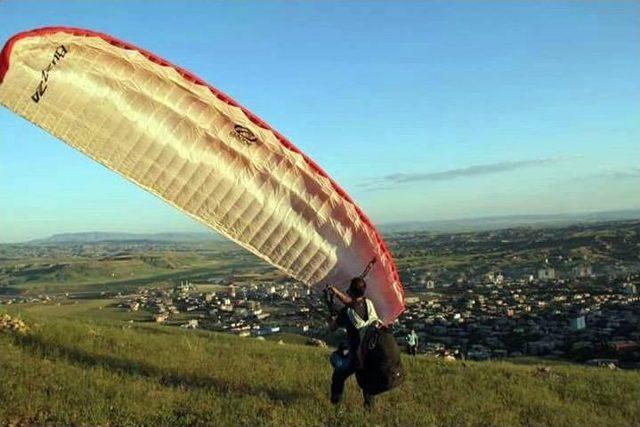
(357,313)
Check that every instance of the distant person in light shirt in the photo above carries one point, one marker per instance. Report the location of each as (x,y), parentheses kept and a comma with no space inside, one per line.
(412,342)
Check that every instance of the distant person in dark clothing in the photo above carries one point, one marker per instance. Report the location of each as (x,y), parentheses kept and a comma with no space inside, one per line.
(357,313)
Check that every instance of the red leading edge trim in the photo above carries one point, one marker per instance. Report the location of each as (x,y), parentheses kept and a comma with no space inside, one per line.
(4,67)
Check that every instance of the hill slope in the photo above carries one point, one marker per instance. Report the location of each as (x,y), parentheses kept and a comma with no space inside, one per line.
(73,369)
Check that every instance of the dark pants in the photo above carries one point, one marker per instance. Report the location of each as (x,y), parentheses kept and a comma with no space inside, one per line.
(340,376)
(413,349)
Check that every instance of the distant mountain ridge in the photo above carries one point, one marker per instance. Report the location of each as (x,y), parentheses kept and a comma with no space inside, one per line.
(98,236)
(498,222)
(442,226)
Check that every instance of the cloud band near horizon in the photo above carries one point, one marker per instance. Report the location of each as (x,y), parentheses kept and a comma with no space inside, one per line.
(470,171)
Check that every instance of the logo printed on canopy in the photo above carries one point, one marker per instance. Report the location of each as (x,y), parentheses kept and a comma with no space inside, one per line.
(59,53)
(244,134)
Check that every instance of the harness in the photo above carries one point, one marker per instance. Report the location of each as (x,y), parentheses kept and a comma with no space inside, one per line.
(359,323)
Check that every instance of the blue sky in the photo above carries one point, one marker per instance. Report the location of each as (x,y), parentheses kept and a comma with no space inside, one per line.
(421,111)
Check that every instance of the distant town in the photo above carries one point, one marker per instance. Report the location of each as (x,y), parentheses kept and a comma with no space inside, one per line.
(567,293)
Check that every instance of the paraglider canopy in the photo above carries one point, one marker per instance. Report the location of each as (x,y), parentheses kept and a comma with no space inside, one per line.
(183,140)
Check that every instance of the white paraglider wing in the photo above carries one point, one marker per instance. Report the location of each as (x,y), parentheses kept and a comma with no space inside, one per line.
(186,142)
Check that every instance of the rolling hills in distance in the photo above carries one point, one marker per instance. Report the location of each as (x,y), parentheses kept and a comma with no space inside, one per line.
(441,226)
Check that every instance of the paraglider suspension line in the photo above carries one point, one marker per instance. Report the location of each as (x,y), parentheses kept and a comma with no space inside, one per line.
(368,268)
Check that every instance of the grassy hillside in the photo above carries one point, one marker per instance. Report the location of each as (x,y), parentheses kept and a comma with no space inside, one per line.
(73,275)
(84,365)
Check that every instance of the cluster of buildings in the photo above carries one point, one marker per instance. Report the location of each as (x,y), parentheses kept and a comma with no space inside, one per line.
(544,316)
(495,317)
(246,309)
(580,318)
(538,316)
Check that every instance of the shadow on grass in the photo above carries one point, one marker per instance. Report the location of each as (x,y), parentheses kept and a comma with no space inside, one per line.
(166,376)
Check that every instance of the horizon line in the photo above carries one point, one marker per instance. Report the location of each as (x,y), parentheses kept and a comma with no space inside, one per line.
(635,214)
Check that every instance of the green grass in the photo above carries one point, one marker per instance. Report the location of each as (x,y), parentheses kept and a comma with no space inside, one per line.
(95,275)
(83,365)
